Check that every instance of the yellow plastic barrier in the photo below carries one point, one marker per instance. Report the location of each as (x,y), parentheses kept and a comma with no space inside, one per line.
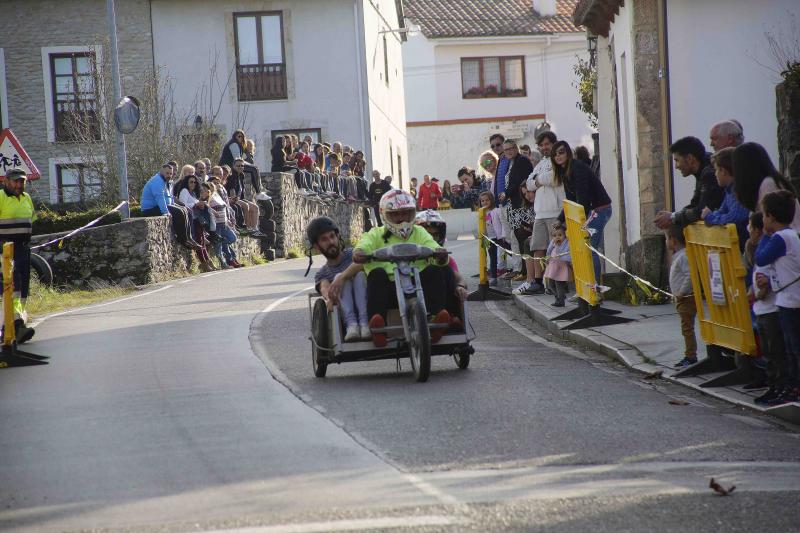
(585,284)
(718,274)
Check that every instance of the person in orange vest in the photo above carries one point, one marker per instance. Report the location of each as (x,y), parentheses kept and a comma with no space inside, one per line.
(16,223)
(429,194)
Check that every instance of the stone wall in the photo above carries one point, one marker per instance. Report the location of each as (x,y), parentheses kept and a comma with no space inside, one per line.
(135,252)
(293,211)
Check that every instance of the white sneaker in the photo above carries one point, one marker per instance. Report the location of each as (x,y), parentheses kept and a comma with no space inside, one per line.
(524,286)
(365,333)
(353,333)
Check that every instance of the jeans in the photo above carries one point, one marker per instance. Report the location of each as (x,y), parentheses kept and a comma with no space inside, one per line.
(770,339)
(223,248)
(353,301)
(790,324)
(598,223)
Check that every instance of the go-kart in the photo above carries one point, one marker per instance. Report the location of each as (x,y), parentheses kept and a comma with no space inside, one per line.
(407,329)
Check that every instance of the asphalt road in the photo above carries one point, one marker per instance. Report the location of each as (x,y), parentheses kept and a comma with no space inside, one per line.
(193,406)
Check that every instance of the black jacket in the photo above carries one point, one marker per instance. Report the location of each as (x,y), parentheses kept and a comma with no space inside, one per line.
(521,168)
(227,155)
(235,184)
(707,193)
(584,187)
(377,189)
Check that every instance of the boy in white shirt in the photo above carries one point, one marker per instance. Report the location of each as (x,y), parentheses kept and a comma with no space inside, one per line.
(780,250)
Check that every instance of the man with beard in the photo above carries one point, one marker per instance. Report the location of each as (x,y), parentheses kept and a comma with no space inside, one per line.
(324,237)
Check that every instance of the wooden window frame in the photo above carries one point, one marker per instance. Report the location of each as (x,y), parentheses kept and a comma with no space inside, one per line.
(81,168)
(260,53)
(502,89)
(61,136)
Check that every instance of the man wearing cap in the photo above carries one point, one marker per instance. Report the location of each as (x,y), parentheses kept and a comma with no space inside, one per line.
(16,222)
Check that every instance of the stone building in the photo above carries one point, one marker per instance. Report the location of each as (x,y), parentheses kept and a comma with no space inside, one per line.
(46,58)
(482,66)
(331,69)
(667,69)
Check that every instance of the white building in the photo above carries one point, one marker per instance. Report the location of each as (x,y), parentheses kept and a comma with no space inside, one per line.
(668,69)
(483,66)
(331,69)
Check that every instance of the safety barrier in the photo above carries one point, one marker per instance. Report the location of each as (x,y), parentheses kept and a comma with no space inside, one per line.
(484,292)
(10,355)
(589,312)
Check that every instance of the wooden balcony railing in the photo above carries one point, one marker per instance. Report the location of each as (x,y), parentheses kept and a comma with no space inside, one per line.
(261,82)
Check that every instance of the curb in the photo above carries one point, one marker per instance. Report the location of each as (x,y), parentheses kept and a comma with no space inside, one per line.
(633,358)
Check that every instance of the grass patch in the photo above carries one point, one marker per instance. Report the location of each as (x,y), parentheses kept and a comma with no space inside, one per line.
(44,300)
(294,253)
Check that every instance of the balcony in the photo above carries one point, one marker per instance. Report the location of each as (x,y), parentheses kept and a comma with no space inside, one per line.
(261,82)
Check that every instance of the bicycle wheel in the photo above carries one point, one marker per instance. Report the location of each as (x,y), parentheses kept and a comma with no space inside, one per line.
(419,345)
(42,269)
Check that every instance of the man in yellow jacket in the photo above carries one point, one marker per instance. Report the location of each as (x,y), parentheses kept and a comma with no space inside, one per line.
(16,221)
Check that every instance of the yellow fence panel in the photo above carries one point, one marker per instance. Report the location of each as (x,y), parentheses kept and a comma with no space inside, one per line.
(718,275)
(582,265)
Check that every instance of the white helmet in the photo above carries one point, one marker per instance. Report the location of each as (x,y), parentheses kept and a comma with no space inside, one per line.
(396,201)
(431,218)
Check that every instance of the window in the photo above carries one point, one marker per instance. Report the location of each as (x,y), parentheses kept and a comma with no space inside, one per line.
(74,96)
(260,65)
(315,134)
(385,61)
(77,183)
(493,77)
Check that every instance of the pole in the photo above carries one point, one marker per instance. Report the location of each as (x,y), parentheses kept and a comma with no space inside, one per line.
(122,165)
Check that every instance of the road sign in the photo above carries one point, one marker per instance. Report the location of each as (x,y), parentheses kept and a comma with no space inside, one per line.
(12,155)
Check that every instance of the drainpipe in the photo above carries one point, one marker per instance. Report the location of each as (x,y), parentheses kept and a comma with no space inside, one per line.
(666,111)
(363,84)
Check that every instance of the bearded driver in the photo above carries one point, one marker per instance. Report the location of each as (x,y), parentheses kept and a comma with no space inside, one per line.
(398,210)
(16,221)
(324,236)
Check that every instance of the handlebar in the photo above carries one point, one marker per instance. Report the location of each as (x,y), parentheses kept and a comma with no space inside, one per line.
(401,252)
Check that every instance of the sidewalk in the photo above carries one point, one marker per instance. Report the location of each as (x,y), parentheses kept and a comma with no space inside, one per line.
(652,343)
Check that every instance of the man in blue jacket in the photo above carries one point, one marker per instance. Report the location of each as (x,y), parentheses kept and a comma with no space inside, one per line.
(157,200)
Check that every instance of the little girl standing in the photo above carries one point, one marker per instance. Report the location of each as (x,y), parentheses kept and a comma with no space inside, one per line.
(494,230)
(557,271)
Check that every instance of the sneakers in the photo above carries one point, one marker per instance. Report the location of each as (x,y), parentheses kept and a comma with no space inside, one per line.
(558,303)
(235,264)
(442,317)
(23,332)
(378,339)
(528,288)
(493,282)
(781,396)
(353,333)
(363,332)
(772,393)
(686,361)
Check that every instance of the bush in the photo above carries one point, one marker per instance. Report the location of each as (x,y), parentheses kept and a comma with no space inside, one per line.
(56,221)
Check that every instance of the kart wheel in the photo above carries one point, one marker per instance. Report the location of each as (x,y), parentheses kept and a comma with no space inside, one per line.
(462,359)
(419,345)
(319,330)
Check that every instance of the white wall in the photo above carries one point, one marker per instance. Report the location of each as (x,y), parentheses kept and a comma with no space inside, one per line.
(620,36)
(319,41)
(715,48)
(434,93)
(387,112)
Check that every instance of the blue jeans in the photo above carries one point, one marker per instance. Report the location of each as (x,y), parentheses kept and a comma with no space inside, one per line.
(354,301)
(598,224)
(790,324)
(223,248)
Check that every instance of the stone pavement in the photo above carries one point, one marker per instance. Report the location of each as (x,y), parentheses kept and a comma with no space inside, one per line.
(650,344)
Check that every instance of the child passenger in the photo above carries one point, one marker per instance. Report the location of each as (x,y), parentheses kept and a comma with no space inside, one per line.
(323,234)
(557,271)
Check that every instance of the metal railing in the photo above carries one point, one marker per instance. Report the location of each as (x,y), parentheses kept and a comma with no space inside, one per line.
(261,82)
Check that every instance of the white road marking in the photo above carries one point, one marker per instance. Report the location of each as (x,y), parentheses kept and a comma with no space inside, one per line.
(187,280)
(360,524)
(278,302)
(95,306)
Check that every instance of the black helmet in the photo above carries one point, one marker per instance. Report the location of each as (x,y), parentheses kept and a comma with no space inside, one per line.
(318,226)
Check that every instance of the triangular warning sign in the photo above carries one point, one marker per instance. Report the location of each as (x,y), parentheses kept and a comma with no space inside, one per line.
(12,155)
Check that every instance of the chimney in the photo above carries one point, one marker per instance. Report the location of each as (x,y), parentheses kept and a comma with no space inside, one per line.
(545,8)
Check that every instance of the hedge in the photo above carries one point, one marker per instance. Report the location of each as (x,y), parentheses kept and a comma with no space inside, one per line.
(49,221)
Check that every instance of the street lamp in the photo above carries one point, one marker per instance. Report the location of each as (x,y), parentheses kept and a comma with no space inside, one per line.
(412,30)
